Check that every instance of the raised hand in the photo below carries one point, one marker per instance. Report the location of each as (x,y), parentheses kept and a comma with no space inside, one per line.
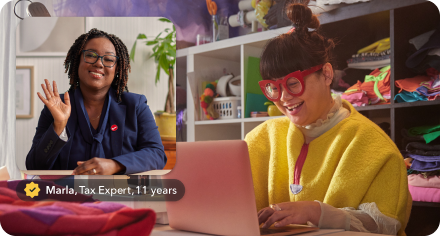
(60,111)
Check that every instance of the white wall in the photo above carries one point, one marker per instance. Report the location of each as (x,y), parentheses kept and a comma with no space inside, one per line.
(141,78)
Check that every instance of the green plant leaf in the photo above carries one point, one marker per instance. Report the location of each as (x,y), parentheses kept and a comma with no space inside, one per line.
(133,49)
(158,35)
(165,20)
(157,74)
(163,61)
(167,29)
(172,53)
(152,42)
(141,36)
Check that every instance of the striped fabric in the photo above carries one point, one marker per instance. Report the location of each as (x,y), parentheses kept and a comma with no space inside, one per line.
(20,217)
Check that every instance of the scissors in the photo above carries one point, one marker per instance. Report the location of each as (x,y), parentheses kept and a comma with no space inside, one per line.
(212,7)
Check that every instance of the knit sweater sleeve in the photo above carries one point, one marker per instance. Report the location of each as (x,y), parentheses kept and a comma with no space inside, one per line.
(259,153)
(366,218)
(373,168)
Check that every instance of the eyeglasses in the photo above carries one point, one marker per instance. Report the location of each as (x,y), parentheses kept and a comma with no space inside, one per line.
(293,84)
(92,57)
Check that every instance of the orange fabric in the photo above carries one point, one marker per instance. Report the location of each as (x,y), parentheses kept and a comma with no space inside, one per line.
(356,88)
(411,84)
(383,85)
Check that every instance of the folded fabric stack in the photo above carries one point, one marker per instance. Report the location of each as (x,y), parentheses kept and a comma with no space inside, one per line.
(373,56)
(70,218)
(374,90)
(422,157)
(428,51)
(419,88)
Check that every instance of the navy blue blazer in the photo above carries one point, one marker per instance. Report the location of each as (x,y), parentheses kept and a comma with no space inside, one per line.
(136,143)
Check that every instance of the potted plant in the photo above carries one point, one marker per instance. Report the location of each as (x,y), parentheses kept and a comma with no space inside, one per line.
(164,54)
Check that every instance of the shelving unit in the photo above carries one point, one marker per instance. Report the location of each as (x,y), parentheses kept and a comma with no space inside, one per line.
(352,26)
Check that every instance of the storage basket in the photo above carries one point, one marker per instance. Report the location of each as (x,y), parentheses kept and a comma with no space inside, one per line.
(227,107)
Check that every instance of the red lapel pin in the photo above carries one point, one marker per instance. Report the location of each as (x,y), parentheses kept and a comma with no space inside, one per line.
(114,127)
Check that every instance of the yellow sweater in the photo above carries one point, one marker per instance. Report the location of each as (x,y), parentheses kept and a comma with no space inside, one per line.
(352,163)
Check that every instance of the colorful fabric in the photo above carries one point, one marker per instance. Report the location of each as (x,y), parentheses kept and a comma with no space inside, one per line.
(432,72)
(418,180)
(356,88)
(432,85)
(377,47)
(424,91)
(421,194)
(423,149)
(355,156)
(356,99)
(377,83)
(429,132)
(411,84)
(424,163)
(377,100)
(71,218)
(363,57)
(435,97)
(406,96)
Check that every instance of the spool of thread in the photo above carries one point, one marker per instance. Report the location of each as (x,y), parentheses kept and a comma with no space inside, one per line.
(245,5)
(248,18)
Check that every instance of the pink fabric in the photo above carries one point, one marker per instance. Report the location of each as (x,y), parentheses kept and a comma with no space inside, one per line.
(358,99)
(420,181)
(19,217)
(421,194)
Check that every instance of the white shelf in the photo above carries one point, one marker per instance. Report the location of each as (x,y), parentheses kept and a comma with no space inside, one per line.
(209,62)
(259,39)
(213,122)
(229,121)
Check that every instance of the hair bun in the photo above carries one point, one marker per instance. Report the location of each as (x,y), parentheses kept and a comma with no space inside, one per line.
(301,15)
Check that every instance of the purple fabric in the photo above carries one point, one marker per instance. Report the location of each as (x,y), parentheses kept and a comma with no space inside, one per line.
(190,17)
(106,207)
(47,214)
(424,90)
(425,163)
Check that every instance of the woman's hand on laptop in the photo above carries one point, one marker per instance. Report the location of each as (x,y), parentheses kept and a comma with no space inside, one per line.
(290,213)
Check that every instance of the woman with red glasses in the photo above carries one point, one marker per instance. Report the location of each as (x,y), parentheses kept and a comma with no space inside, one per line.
(324,163)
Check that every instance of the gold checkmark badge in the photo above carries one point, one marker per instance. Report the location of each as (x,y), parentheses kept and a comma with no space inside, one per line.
(32,190)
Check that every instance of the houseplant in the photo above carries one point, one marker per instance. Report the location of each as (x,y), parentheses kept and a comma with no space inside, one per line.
(164,54)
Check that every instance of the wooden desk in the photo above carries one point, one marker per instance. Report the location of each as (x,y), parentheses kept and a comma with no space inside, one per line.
(170,151)
(166,230)
(69,172)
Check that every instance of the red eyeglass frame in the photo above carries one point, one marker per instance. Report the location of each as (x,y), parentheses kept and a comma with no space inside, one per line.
(297,74)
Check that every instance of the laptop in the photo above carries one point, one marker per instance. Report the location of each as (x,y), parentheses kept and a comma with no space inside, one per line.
(219,195)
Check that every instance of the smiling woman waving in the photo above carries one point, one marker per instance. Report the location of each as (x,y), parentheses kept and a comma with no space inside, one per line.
(97,127)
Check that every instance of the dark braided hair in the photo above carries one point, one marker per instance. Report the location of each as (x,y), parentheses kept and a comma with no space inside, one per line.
(73,58)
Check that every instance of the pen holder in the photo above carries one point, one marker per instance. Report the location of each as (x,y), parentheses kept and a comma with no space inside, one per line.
(220,27)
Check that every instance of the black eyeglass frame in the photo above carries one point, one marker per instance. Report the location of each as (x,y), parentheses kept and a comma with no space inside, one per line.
(99,57)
